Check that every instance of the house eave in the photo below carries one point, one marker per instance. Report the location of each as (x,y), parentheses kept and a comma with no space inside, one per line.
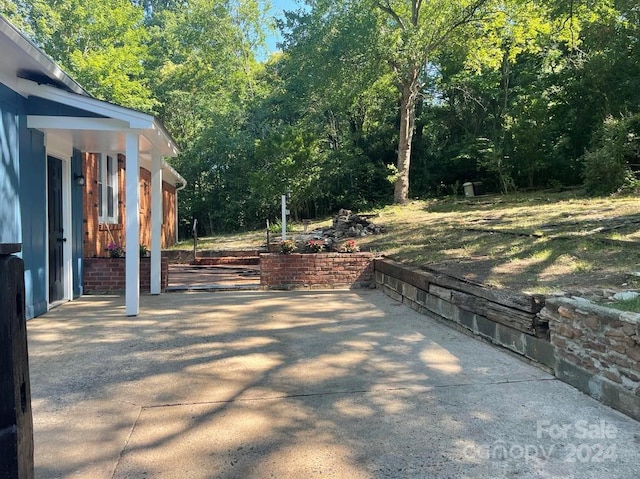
(29,61)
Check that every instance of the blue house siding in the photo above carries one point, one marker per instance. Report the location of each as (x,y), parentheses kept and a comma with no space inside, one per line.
(40,106)
(23,200)
(33,192)
(9,167)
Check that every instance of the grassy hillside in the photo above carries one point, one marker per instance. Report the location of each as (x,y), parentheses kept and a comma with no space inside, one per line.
(536,242)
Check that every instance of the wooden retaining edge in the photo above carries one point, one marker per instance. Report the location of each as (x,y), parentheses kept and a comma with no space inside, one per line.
(514,310)
(423,278)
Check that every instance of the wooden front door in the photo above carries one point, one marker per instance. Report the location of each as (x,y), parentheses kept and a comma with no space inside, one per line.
(56,231)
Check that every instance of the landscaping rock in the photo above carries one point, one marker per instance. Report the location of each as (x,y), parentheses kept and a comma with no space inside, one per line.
(625,295)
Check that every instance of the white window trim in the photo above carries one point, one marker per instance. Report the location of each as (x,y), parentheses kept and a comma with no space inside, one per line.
(102,211)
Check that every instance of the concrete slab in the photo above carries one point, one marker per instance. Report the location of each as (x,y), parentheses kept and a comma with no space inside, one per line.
(301,384)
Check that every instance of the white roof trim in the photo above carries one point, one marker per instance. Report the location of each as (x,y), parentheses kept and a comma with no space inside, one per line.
(151,128)
(134,118)
(40,122)
(47,64)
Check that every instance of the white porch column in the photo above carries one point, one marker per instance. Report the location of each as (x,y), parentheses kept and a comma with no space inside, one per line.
(132,181)
(156,222)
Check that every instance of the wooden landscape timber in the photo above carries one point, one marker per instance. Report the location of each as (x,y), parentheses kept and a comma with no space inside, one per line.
(515,310)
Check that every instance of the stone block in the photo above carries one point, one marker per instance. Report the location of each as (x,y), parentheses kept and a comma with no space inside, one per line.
(421,297)
(579,378)
(539,350)
(634,353)
(392,293)
(618,398)
(559,342)
(592,322)
(510,338)
(410,291)
(619,348)
(392,283)
(485,327)
(466,319)
(564,330)
(628,329)
(612,376)
(567,313)
(441,307)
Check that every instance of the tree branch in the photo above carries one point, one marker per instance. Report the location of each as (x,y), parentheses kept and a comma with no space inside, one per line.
(464,19)
(416,6)
(388,10)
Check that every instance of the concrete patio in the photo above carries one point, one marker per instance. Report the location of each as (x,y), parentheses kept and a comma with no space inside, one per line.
(301,384)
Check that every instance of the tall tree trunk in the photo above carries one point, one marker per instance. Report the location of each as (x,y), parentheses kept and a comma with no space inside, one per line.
(407,126)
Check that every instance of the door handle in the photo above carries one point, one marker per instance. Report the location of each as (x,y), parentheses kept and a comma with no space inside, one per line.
(62,240)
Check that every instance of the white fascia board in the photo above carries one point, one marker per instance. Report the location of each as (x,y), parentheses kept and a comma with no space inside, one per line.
(75,123)
(134,118)
(168,169)
(131,119)
(161,140)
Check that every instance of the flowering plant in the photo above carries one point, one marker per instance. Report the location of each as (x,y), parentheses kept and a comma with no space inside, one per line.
(115,250)
(287,246)
(350,246)
(315,246)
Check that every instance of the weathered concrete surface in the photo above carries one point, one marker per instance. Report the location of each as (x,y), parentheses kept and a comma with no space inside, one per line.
(301,384)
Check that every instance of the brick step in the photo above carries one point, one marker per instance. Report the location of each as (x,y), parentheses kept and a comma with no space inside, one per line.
(228,260)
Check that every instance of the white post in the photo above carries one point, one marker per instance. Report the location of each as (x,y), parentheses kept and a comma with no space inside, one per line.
(284,217)
(132,232)
(156,223)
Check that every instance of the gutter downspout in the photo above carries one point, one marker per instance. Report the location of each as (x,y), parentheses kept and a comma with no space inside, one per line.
(182,187)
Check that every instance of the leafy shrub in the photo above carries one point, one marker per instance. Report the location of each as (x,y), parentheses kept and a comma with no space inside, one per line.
(616,145)
(287,246)
(276,227)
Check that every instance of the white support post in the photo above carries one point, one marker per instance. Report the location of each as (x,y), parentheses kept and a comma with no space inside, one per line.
(132,234)
(156,223)
(284,217)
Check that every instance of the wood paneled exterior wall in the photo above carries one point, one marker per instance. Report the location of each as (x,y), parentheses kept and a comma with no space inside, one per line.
(97,236)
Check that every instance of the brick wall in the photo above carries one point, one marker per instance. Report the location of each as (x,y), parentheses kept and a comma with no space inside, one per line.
(107,275)
(322,270)
(597,350)
(97,236)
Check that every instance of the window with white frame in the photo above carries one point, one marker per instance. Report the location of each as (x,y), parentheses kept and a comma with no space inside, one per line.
(107,188)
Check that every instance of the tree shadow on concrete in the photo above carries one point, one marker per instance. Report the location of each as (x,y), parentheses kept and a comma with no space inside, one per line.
(296,384)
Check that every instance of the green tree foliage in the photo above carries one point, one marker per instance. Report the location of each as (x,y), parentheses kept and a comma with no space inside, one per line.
(427,94)
(610,165)
(100,42)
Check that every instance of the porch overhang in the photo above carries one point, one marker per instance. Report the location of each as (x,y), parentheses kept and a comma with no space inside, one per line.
(92,125)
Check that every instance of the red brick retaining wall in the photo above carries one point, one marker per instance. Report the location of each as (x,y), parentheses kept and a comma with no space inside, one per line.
(321,270)
(106,275)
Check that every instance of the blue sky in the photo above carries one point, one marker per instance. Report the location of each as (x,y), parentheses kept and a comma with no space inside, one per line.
(277,6)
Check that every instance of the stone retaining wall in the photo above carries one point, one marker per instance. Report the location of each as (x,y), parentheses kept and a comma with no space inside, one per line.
(597,350)
(320,270)
(107,275)
(508,320)
(593,348)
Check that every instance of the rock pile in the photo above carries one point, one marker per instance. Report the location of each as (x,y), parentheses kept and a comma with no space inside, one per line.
(345,225)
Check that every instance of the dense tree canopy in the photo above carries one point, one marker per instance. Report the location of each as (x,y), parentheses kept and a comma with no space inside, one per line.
(369,101)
